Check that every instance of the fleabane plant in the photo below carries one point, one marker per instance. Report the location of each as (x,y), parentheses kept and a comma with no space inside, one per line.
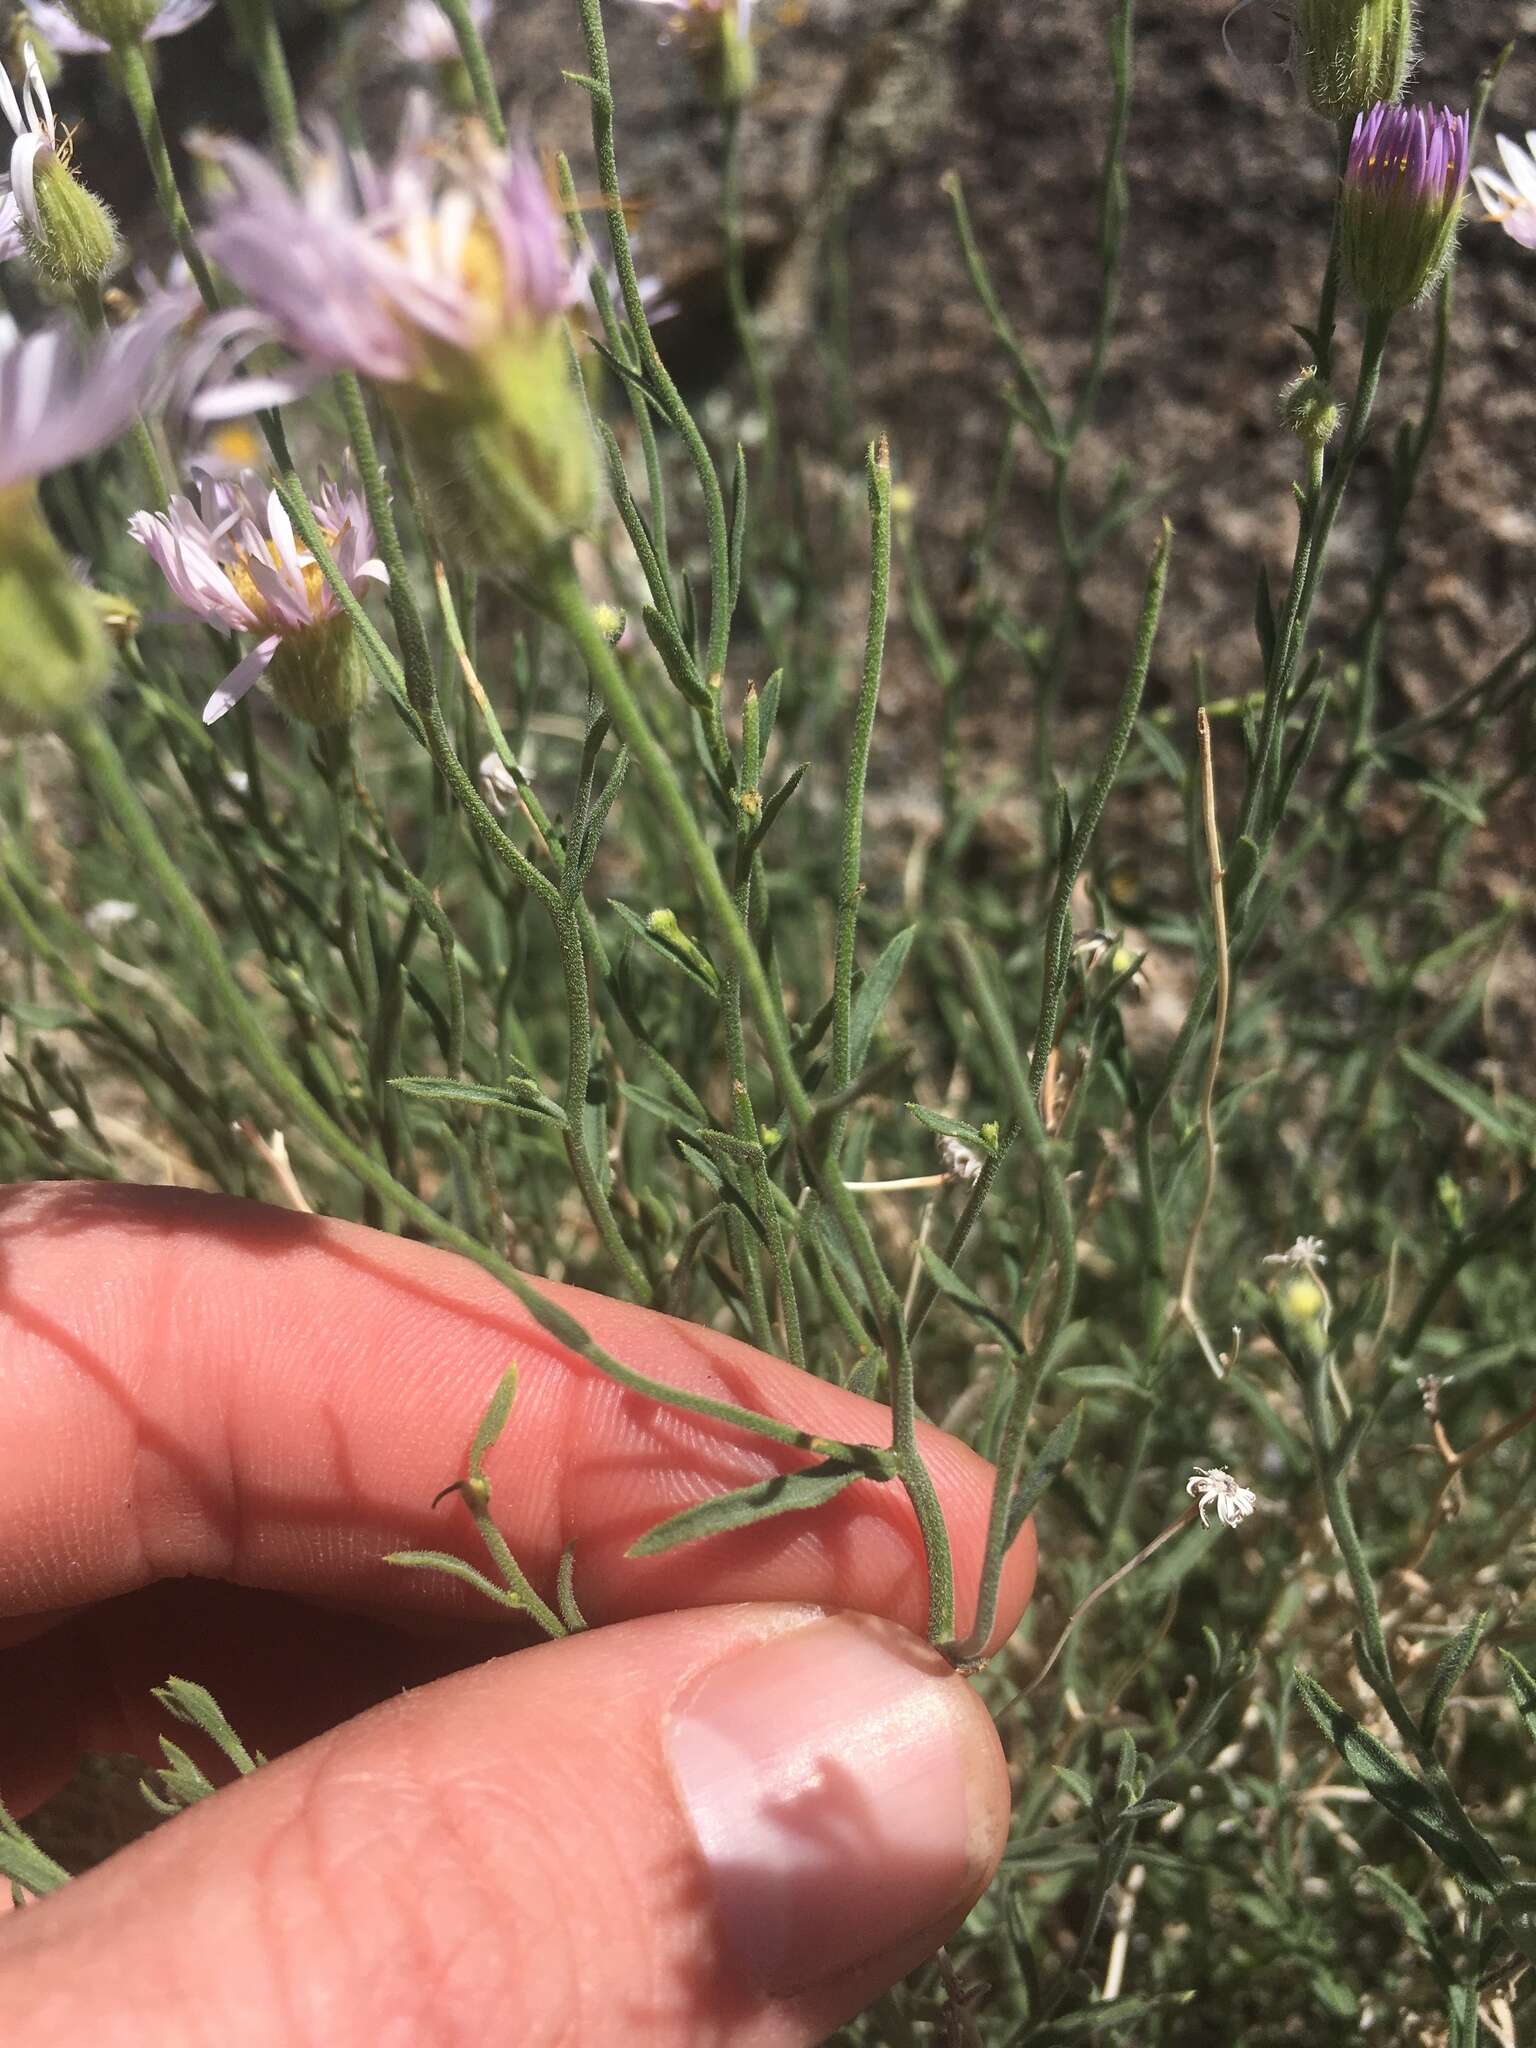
(444,276)
(232,559)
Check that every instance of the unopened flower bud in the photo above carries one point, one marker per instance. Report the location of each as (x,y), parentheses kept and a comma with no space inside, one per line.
(73,239)
(1353,53)
(1400,202)
(1309,408)
(57,655)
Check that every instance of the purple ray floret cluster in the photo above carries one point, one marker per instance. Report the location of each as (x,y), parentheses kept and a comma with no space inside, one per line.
(1409,155)
(370,267)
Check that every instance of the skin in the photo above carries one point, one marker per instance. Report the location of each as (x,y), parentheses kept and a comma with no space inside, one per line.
(215,1419)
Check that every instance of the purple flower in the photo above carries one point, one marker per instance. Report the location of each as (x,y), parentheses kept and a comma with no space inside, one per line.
(394,271)
(1401,201)
(233,560)
(1511,201)
(61,398)
(62,32)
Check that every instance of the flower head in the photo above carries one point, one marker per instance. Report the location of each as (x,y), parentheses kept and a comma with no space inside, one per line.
(1214,1487)
(1306,1251)
(1511,200)
(65,229)
(234,560)
(90,27)
(1401,200)
(394,271)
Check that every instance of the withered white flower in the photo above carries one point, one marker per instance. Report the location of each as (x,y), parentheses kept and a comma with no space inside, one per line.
(496,783)
(1214,1487)
(960,1162)
(1306,1251)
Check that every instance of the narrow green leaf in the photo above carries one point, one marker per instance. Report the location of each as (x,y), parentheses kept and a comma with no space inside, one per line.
(879,985)
(1392,1785)
(1050,1462)
(675,658)
(1449,1672)
(565,1592)
(520,1100)
(454,1568)
(1408,1910)
(24,1863)
(195,1705)
(1104,1379)
(1075,1783)
(951,1285)
(787,1493)
(1512,1125)
(1104,2017)
(493,1421)
(1522,1690)
(951,1127)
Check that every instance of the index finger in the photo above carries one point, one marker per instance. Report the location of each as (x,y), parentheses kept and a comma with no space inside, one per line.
(195,1385)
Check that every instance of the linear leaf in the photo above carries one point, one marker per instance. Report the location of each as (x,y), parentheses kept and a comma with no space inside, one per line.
(877,990)
(1050,1462)
(1449,1672)
(786,1493)
(1391,1784)
(1511,1125)
(480,1095)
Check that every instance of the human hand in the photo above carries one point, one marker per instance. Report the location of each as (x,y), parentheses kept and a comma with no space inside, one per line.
(728,1818)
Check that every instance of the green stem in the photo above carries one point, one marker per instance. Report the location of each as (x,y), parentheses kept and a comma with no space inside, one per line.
(736,284)
(256,24)
(850,885)
(1052,1192)
(600,90)
(138,89)
(477,64)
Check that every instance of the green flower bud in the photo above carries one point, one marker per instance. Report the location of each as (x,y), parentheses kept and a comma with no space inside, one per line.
(74,239)
(57,654)
(319,676)
(1310,409)
(1354,53)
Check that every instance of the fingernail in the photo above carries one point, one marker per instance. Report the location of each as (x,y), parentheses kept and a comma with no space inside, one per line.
(843,1785)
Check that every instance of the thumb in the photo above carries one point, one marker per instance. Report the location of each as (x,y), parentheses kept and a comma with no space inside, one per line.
(732,1825)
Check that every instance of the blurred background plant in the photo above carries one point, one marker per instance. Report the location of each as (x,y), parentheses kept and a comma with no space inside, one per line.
(895,903)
